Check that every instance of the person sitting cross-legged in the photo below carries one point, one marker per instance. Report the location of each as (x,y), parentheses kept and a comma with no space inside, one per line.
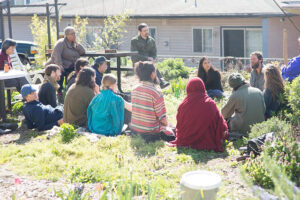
(148,107)
(200,125)
(79,96)
(47,91)
(100,66)
(38,115)
(244,108)
(106,111)
(274,87)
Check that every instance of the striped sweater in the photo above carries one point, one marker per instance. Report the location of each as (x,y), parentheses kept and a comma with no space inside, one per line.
(148,109)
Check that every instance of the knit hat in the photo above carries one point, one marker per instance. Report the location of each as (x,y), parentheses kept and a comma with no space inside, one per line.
(235,80)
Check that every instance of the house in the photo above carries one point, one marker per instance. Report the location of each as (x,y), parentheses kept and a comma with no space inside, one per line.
(184,27)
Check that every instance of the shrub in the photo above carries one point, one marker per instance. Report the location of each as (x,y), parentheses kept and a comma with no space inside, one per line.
(67,133)
(17,108)
(284,150)
(292,95)
(173,69)
(272,125)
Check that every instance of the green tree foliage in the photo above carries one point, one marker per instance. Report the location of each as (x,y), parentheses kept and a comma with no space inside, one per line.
(39,31)
(112,31)
(80,28)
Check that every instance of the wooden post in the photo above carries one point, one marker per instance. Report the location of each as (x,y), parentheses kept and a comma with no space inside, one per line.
(285,53)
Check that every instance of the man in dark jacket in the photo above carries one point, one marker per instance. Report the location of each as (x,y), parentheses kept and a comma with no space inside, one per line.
(146,48)
(38,115)
(47,92)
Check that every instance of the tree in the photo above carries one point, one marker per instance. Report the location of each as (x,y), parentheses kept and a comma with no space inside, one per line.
(80,28)
(112,31)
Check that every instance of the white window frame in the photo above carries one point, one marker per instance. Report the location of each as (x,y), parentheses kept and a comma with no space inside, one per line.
(212,38)
(242,29)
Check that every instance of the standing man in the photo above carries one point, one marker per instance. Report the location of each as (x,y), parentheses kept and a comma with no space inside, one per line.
(65,53)
(146,48)
(257,77)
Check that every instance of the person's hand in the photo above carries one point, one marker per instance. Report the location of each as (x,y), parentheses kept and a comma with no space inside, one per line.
(96,89)
(60,122)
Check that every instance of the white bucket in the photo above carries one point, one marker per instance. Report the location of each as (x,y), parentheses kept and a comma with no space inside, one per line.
(199,185)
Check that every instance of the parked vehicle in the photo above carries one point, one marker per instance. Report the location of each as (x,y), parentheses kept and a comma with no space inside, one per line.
(26,51)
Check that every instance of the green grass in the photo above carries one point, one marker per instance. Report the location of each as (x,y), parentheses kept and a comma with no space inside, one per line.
(114,160)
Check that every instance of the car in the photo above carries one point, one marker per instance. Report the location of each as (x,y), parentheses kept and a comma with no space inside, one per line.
(26,51)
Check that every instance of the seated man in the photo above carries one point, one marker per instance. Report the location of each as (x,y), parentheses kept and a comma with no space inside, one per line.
(245,106)
(100,66)
(38,115)
(47,92)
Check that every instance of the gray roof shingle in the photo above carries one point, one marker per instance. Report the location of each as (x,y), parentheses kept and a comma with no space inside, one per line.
(161,8)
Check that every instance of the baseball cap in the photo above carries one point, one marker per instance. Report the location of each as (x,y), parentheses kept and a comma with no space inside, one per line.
(26,90)
(101,59)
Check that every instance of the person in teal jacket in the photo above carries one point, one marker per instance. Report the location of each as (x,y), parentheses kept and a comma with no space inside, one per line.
(106,111)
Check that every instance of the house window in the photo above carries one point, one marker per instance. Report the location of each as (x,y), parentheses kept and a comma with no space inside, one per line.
(152,32)
(202,40)
(92,32)
(240,42)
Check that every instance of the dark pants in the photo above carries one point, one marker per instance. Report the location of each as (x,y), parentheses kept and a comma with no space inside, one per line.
(215,93)
(16,82)
(63,77)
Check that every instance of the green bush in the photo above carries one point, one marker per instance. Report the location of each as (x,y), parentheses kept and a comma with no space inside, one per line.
(17,108)
(67,133)
(173,69)
(292,95)
(272,125)
(284,150)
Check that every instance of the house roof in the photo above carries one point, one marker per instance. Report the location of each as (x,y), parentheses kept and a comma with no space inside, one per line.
(160,8)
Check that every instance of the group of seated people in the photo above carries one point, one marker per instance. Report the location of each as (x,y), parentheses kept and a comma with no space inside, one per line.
(92,100)
(200,124)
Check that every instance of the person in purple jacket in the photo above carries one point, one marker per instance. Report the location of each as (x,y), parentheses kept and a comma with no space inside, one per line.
(292,70)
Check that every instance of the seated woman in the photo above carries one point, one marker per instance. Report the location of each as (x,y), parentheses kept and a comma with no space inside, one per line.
(79,64)
(8,48)
(200,124)
(211,78)
(273,88)
(106,111)
(148,107)
(79,96)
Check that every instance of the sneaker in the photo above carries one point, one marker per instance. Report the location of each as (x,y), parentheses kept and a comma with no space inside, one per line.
(163,83)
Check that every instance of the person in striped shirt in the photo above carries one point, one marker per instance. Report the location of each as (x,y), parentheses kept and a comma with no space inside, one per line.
(148,107)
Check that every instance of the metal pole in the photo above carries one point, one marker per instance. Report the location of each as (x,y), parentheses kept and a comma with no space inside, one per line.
(9,19)
(57,19)
(48,25)
(2,22)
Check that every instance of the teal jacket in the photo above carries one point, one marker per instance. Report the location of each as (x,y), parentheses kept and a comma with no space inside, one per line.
(106,114)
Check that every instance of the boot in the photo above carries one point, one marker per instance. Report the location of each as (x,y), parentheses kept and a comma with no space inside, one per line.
(163,83)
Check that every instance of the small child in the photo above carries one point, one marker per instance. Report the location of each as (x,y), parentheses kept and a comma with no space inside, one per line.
(106,111)
(148,107)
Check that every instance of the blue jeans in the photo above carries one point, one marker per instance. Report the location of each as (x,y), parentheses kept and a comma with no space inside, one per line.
(64,75)
(215,93)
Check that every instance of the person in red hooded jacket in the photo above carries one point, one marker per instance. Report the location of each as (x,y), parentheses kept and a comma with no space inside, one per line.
(200,124)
